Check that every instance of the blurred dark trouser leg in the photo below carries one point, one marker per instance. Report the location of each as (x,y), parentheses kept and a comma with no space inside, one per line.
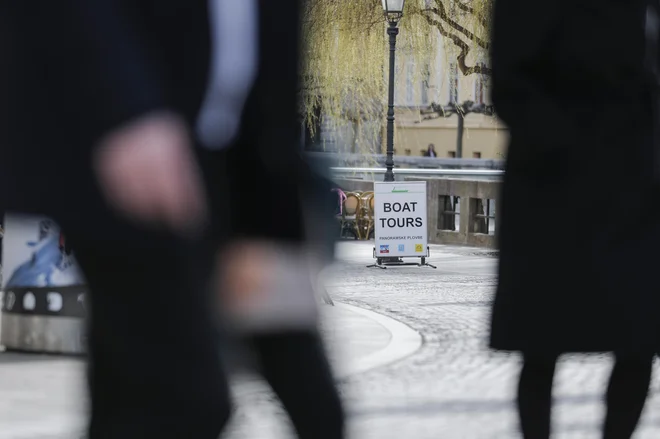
(296,367)
(155,368)
(535,395)
(626,395)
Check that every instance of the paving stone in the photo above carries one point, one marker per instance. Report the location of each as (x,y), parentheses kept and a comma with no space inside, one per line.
(43,397)
(453,387)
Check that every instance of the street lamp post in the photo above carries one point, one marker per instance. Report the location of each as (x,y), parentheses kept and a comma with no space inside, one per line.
(393,12)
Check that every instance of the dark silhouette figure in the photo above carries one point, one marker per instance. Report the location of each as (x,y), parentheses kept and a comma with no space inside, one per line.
(588,288)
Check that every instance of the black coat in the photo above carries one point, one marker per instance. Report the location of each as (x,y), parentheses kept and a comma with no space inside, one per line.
(71,71)
(580,208)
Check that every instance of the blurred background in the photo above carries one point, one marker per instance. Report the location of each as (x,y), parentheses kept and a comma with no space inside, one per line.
(407,344)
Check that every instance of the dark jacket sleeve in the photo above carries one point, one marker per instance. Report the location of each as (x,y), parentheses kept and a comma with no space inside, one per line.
(96,57)
(295,199)
(277,88)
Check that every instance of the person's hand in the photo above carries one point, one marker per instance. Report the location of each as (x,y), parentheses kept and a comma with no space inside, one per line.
(147,171)
(244,272)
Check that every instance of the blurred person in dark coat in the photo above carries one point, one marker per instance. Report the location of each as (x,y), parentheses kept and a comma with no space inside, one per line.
(97,101)
(277,209)
(582,176)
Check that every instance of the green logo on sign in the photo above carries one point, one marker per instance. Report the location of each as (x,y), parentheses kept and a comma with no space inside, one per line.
(395,190)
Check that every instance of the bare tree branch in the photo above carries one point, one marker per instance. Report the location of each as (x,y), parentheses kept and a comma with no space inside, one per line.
(465,8)
(483,20)
(442,13)
(463,46)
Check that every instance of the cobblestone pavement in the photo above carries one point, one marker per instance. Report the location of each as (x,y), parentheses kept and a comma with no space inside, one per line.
(41,397)
(453,387)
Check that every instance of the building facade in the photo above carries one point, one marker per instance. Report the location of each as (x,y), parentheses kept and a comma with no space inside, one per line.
(420,82)
(438,80)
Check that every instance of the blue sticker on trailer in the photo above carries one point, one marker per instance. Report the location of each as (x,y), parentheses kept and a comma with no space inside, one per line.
(47,280)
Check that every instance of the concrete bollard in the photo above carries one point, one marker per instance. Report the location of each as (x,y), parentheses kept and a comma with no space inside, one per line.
(43,306)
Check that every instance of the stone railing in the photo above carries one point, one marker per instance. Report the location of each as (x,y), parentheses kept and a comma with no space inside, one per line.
(460,212)
(402,161)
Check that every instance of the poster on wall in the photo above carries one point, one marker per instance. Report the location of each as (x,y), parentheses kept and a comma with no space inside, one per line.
(400,219)
(40,273)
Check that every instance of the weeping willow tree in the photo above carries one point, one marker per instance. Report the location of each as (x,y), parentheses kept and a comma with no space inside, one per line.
(345,55)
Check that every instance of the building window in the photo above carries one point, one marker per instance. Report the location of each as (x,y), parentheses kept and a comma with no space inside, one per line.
(476,155)
(453,83)
(478,90)
(451,154)
(439,73)
(479,87)
(426,85)
(410,73)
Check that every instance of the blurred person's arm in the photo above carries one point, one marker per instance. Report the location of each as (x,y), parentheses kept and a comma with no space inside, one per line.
(267,286)
(278,141)
(276,110)
(268,274)
(148,171)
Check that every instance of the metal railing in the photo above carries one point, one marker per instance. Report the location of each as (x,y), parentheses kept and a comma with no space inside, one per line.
(423,171)
(345,160)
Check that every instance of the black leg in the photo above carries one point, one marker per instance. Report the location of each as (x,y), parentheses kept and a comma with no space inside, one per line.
(626,395)
(535,395)
(296,367)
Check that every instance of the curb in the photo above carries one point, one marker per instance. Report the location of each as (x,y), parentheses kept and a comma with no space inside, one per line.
(405,341)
